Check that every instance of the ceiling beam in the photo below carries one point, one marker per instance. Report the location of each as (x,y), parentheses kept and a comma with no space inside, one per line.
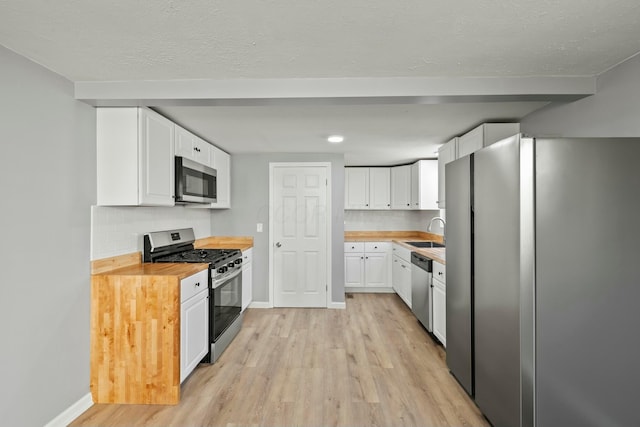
(333,91)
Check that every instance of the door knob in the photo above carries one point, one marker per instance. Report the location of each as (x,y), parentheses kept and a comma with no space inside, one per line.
(278,245)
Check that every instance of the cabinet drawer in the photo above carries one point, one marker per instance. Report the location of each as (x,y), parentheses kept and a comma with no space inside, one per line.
(371,247)
(192,285)
(350,247)
(247,256)
(439,271)
(402,252)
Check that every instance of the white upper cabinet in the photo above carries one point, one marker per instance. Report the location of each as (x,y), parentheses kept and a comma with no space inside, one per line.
(379,188)
(192,147)
(135,157)
(446,154)
(356,191)
(367,188)
(401,187)
(424,185)
(221,162)
(485,135)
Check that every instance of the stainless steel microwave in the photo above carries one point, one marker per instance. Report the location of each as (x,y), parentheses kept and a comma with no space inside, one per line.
(195,183)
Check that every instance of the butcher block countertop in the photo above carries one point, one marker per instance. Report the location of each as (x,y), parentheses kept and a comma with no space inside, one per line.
(225,242)
(135,325)
(179,270)
(117,264)
(400,237)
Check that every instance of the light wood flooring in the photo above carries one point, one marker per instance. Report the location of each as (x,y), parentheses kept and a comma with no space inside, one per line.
(369,365)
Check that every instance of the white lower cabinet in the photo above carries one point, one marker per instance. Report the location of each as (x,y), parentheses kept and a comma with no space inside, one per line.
(439,303)
(194,321)
(247,278)
(402,279)
(401,273)
(367,265)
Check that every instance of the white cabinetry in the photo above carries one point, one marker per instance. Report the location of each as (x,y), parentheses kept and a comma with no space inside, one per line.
(247,278)
(367,265)
(424,185)
(401,273)
(446,154)
(221,162)
(485,135)
(380,188)
(439,303)
(135,158)
(194,321)
(356,191)
(401,187)
(367,188)
(192,147)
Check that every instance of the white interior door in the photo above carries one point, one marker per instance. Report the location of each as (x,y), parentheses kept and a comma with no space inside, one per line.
(299,236)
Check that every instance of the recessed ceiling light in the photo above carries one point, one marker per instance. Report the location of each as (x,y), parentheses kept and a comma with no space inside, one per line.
(335,139)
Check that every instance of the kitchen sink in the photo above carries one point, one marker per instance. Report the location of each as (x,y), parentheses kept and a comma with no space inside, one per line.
(426,244)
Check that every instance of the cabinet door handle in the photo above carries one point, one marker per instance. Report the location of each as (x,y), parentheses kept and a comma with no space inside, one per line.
(439,273)
(361,257)
(367,257)
(198,284)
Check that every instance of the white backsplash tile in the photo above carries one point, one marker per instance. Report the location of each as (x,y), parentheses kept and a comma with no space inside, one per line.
(119,230)
(355,220)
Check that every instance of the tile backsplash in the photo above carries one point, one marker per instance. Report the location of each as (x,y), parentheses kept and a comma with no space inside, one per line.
(119,230)
(355,220)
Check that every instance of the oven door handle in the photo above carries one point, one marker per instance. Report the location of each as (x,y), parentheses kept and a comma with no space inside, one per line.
(224,279)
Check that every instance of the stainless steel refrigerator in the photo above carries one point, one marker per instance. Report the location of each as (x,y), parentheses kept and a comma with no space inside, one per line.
(543,284)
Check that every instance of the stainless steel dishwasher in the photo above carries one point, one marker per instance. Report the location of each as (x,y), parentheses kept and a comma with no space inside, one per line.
(422,289)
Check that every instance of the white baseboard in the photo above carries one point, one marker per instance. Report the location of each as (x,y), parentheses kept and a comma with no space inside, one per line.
(260,304)
(72,412)
(369,290)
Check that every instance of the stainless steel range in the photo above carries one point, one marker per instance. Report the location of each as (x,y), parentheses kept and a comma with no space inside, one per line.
(225,281)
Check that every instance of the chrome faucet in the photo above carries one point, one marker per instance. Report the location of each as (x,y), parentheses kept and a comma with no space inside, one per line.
(444,228)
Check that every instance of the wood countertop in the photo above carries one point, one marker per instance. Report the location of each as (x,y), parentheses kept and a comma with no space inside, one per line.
(179,270)
(225,242)
(401,237)
(135,319)
(131,264)
(436,254)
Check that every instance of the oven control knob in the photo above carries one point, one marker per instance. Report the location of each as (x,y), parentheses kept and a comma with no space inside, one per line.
(230,265)
(222,270)
(238,261)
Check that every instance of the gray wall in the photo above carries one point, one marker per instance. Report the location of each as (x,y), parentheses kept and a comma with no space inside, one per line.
(250,205)
(613,111)
(48,185)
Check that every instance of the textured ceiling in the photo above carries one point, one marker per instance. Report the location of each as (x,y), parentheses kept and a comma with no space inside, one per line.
(171,39)
(124,40)
(375,134)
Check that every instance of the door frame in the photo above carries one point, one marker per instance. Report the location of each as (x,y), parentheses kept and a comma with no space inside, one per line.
(327,166)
